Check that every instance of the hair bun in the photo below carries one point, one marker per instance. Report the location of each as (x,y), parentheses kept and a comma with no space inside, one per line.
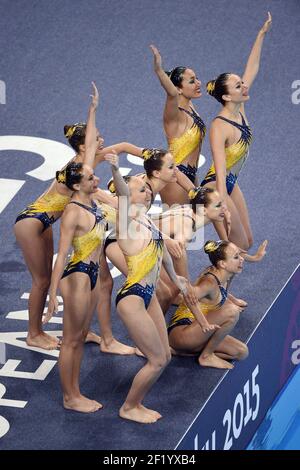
(152,153)
(147,153)
(68,131)
(61,176)
(210,246)
(193,193)
(77,128)
(210,87)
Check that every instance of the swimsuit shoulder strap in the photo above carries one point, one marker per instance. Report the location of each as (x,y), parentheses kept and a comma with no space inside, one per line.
(196,118)
(212,274)
(84,206)
(156,233)
(223,290)
(95,210)
(233,123)
(243,120)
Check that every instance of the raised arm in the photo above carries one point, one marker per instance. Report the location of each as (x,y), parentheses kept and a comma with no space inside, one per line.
(91,130)
(253,62)
(171,112)
(120,185)
(67,229)
(121,190)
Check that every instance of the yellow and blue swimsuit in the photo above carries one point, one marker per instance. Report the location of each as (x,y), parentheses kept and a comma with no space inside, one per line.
(236,155)
(144,268)
(183,315)
(181,147)
(85,246)
(49,202)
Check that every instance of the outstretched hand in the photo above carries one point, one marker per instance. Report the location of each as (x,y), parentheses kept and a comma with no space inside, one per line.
(52,309)
(268,23)
(113,159)
(157,58)
(95,96)
(261,251)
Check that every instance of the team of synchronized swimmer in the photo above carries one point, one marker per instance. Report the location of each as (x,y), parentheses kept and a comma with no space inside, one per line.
(151,251)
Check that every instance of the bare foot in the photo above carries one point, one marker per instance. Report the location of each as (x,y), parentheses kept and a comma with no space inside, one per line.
(98,405)
(139,353)
(153,413)
(115,347)
(55,342)
(137,414)
(211,360)
(82,404)
(42,341)
(91,337)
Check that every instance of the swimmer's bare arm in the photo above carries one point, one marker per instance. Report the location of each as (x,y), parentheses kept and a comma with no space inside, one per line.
(67,230)
(120,185)
(122,147)
(171,112)
(175,210)
(179,281)
(107,198)
(218,136)
(122,190)
(253,62)
(174,247)
(184,181)
(90,141)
